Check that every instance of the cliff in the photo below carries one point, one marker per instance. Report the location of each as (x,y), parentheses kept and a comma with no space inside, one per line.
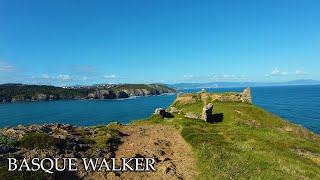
(19,92)
(128,90)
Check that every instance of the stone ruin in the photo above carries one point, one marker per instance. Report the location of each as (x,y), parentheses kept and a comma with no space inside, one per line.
(245,96)
(207,113)
(205,97)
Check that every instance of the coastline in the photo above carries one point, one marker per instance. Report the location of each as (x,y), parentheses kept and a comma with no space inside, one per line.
(85,99)
(181,143)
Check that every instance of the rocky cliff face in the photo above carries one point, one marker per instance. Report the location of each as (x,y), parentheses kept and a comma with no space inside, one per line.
(129,91)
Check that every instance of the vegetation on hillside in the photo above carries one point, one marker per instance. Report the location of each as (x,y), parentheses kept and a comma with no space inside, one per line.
(19,92)
(23,92)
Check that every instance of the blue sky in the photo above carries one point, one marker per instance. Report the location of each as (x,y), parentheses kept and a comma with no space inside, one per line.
(72,42)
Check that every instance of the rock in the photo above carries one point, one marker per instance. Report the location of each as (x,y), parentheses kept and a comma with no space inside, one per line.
(44,130)
(157,111)
(203,90)
(121,95)
(91,96)
(245,96)
(52,97)
(40,97)
(115,123)
(59,136)
(13,132)
(163,113)
(192,115)
(207,113)
(175,110)
(4,148)
(21,127)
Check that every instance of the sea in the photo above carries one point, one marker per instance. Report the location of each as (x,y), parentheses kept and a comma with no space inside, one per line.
(297,104)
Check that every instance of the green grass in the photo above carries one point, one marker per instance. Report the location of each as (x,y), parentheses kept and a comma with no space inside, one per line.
(106,136)
(41,141)
(250,143)
(86,141)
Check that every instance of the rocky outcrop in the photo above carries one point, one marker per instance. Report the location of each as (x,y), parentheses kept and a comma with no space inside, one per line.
(121,93)
(163,113)
(175,110)
(191,115)
(207,113)
(60,141)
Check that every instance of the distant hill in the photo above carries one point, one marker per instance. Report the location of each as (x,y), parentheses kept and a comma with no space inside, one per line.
(20,92)
(241,84)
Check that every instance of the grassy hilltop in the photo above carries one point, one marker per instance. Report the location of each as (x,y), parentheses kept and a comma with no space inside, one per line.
(249,142)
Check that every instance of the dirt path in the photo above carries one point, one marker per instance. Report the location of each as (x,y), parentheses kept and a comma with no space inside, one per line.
(173,155)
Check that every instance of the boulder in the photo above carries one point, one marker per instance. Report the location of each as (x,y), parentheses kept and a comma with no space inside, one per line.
(207,113)
(175,110)
(192,115)
(163,113)
(157,111)
(43,129)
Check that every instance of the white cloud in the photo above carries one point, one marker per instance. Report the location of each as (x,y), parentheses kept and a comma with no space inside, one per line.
(212,78)
(159,81)
(277,72)
(112,76)
(299,72)
(84,78)
(44,76)
(5,67)
(188,76)
(64,77)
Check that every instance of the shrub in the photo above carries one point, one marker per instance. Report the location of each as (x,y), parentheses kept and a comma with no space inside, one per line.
(9,141)
(40,141)
(86,141)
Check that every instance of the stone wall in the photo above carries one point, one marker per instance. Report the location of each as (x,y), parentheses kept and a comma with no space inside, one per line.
(244,96)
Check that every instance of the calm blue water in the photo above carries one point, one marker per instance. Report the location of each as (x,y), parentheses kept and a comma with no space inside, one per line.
(298,104)
(81,112)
